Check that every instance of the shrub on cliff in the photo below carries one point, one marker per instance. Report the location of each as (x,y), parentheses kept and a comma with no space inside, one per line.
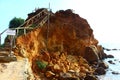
(16,22)
(41,65)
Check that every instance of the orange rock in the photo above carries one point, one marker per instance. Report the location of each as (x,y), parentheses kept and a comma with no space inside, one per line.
(83,69)
(49,74)
(56,67)
(69,34)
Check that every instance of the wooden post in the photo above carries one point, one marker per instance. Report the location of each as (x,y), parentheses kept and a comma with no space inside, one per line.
(24,31)
(17,32)
(48,26)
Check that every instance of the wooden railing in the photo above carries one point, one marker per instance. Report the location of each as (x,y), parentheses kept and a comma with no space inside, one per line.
(40,14)
(44,14)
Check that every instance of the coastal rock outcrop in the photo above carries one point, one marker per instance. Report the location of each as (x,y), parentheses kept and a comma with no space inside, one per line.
(100,71)
(110,56)
(101,53)
(91,54)
(103,65)
(59,50)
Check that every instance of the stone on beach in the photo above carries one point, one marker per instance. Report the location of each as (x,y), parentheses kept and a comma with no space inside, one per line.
(100,71)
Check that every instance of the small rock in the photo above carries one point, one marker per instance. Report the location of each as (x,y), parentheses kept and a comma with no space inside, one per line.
(71,71)
(71,78)
(95,63)
(115,59)
(114,49)
(110,56)
(100,71)
(108,49)
(56,68)
(103,64)
(90,77)
(75,73)
(82,75)
(83,69)
(115,73)
(49,74)
(111,62)
(65,75)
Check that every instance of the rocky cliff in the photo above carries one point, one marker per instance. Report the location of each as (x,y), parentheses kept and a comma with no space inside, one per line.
(61,50)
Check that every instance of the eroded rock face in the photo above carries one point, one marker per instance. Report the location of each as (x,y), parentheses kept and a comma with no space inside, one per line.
(68,33)
(91,54)
(101,53)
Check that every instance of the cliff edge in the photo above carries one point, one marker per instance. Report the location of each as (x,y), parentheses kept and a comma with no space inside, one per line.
(61,51)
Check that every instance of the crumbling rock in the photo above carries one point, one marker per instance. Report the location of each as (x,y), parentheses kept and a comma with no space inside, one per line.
(70,38)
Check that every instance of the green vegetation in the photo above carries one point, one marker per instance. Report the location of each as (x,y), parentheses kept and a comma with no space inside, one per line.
(41,64)
(16,22)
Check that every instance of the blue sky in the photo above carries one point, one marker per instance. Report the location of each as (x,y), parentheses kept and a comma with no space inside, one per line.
(102,15)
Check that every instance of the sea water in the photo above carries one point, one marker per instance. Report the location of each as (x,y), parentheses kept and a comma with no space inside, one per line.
(112,67)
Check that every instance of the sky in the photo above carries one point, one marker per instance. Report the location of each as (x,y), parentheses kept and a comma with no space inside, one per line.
(102,15)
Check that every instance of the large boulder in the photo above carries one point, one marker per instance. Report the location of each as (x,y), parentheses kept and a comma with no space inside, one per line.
(101,53)
(103,65)
(90,77)
(91,54)
(100,71)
